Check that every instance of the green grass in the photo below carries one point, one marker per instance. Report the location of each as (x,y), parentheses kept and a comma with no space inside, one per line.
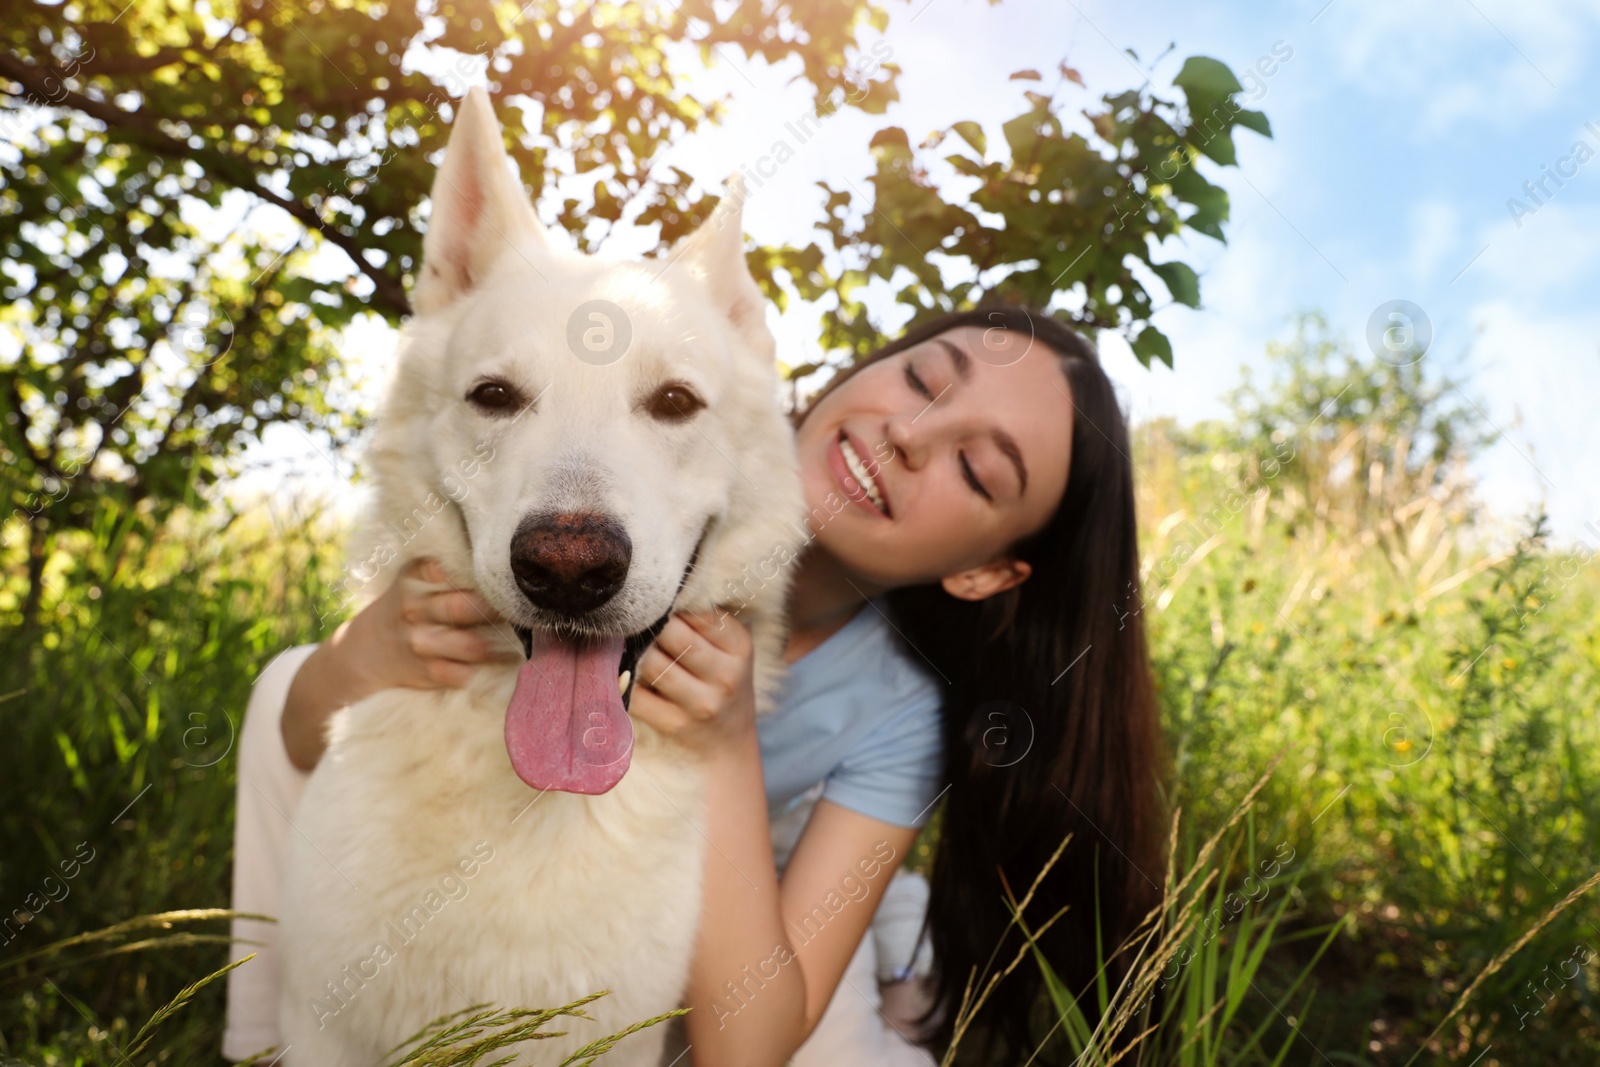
(1429,696)
(1433,697)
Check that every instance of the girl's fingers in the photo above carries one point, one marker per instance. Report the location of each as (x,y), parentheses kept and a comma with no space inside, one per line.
(500,643)
(656,666)
(702,656)
(504,645)
(428,576)
(672,681)
(423,569)
(675,636)
(683,646)
(722,628)
(447,673)
(656,710)
(467,646)
(458,607)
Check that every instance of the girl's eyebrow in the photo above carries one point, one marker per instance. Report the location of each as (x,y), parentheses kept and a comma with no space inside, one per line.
(961,361)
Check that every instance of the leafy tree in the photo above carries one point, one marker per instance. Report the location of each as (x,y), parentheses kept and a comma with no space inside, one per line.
(152,332)
(143,350)
(1364,436)
(1056,215)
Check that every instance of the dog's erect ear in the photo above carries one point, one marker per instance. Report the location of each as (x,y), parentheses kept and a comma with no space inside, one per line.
(715,253)
(480,212)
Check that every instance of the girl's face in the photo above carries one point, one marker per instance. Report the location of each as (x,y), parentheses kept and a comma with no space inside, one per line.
(929,464)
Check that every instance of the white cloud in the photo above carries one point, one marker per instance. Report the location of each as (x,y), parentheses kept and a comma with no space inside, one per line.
(1489,60)
(1552,254)
(1536,371)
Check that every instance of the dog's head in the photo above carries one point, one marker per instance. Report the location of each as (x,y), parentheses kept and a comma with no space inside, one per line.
(603,439)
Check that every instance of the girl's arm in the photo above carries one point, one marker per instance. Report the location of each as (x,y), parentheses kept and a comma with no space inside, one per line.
(768,958)
(422,633)
(844,861)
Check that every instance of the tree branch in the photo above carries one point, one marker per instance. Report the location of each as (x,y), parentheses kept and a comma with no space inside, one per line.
(142,128)
(120,66)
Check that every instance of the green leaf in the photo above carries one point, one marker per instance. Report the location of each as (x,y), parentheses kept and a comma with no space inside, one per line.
(1217,143)
(965,165)
(1254,120)
(1210,202)
(1152,344)
(1080,1034)
(1209,86)
(1182,282)
(892,139)
(972,133)
(1204,76)
(1022,133)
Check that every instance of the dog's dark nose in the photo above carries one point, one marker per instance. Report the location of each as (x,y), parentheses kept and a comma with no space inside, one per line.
(570,563)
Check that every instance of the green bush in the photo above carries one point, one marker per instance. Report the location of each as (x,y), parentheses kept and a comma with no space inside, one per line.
(124,705)
(1317,587)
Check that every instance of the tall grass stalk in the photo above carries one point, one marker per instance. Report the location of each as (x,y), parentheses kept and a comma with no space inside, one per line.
(1499,961)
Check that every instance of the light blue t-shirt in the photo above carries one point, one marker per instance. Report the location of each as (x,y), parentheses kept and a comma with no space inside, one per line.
(860,716)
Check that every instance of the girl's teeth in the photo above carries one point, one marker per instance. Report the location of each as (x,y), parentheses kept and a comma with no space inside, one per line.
(859,471)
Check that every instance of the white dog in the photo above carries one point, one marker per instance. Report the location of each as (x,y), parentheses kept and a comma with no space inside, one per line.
(592,445)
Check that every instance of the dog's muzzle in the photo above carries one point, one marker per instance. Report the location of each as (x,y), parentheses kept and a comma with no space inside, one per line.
(567,727)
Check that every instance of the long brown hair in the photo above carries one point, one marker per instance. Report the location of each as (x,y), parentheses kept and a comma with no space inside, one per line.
(1051,727)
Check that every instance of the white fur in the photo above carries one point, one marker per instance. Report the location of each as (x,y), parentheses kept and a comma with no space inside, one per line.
(578,893)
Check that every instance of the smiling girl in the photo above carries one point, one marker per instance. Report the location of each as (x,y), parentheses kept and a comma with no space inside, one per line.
(959,642)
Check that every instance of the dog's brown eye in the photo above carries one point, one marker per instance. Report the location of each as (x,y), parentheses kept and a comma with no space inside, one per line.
(496,397)
(673,402)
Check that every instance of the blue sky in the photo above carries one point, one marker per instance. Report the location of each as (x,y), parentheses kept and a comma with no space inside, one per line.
(1401,132)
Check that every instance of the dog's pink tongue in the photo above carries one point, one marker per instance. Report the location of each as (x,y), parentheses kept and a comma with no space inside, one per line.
(566,727)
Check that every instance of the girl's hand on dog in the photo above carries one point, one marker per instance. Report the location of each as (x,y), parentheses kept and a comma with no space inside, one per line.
(420,636)
(416,636)
(696,682)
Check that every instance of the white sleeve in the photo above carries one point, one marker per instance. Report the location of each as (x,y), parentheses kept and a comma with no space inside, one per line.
(268,793)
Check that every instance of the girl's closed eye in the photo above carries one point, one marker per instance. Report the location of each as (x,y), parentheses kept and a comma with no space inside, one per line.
(971,478)
(968,475)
